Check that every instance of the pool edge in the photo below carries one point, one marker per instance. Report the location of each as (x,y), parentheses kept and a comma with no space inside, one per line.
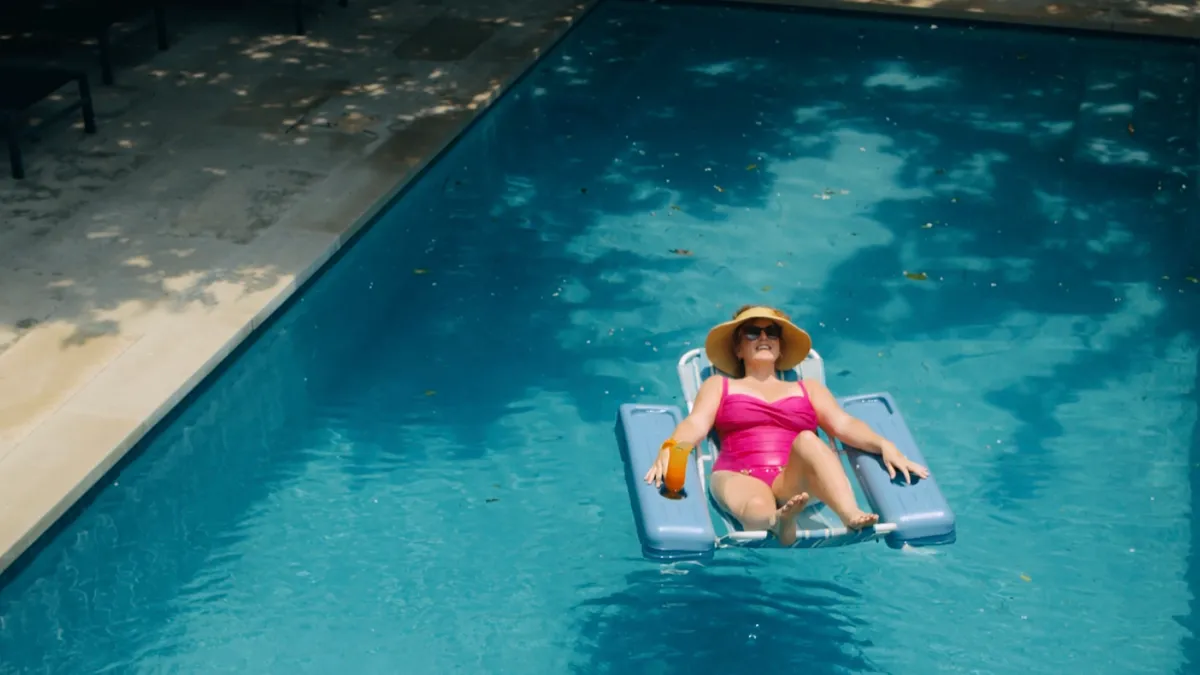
(1114,19)
(37,514)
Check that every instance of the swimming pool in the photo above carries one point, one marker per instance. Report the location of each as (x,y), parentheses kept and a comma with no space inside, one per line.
(413,469)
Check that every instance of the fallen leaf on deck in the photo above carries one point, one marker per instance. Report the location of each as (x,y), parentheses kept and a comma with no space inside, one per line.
(916,276)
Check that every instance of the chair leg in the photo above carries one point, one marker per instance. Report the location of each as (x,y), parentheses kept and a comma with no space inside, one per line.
(299,5)
(85,101)
(160,25)
(14,151)
(106,68)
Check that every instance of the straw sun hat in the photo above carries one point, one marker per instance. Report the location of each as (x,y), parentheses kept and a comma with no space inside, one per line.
(722,352)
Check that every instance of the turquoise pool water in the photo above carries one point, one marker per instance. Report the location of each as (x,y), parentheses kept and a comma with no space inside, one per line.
(413,470)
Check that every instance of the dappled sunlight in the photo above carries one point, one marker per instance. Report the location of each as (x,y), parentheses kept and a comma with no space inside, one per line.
(1179,10)
(1113,152)
(900,76)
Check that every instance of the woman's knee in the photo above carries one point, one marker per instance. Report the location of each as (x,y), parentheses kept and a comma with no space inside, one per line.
(807,443)
(809,449)
(744,498)
(759,505)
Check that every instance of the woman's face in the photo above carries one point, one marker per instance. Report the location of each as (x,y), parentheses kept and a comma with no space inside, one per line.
(759,340)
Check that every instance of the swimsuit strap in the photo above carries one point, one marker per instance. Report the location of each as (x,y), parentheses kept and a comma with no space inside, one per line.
(803,388)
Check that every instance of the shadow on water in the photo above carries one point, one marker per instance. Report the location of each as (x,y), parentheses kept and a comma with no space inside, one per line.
(720,618)
(1003,230)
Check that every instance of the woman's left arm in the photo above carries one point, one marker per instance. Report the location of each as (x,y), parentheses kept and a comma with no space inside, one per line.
(857,433)
(841,424)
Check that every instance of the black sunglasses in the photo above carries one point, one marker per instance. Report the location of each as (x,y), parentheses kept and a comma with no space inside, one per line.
(752,333)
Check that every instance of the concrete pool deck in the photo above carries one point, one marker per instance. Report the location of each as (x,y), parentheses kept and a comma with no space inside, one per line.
(225,172)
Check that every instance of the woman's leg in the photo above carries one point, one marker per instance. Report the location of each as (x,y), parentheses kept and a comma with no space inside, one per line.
(814,466)
(752,503)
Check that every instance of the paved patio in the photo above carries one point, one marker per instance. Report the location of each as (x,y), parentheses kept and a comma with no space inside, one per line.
(224,173)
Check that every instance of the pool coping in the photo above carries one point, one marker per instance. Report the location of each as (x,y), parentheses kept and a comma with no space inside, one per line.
(61,460)
(1121,18)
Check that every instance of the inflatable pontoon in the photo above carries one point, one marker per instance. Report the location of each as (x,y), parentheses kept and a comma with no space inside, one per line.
(693,526)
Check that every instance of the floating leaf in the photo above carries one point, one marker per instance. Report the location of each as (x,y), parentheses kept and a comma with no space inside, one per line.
(420,271)
(430,392)
(719,188)
(916,276)
(751,167)
(766,288)
(583,190)
(1026,577)
(1194,280)
(926,226)
(681,251)
(491,500)
(1130,128)
(676,207)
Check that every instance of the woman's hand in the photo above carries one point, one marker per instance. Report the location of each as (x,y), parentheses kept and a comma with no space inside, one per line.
(895,461)
(659,468)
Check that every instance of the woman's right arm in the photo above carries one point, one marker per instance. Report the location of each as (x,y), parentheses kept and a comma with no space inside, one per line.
(693,429)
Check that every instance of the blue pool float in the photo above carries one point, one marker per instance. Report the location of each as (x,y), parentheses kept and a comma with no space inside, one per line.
(695,526)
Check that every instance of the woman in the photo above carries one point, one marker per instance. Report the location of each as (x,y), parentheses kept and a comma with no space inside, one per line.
(771,457)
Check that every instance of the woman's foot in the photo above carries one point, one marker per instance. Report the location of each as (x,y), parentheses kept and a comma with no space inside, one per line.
(860,519)
(784,527)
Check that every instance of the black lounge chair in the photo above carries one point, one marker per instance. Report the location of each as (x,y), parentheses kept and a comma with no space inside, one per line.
(23,86)
(298,5)
(81,19)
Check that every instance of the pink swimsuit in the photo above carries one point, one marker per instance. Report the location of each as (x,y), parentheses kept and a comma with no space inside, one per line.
(756,436)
